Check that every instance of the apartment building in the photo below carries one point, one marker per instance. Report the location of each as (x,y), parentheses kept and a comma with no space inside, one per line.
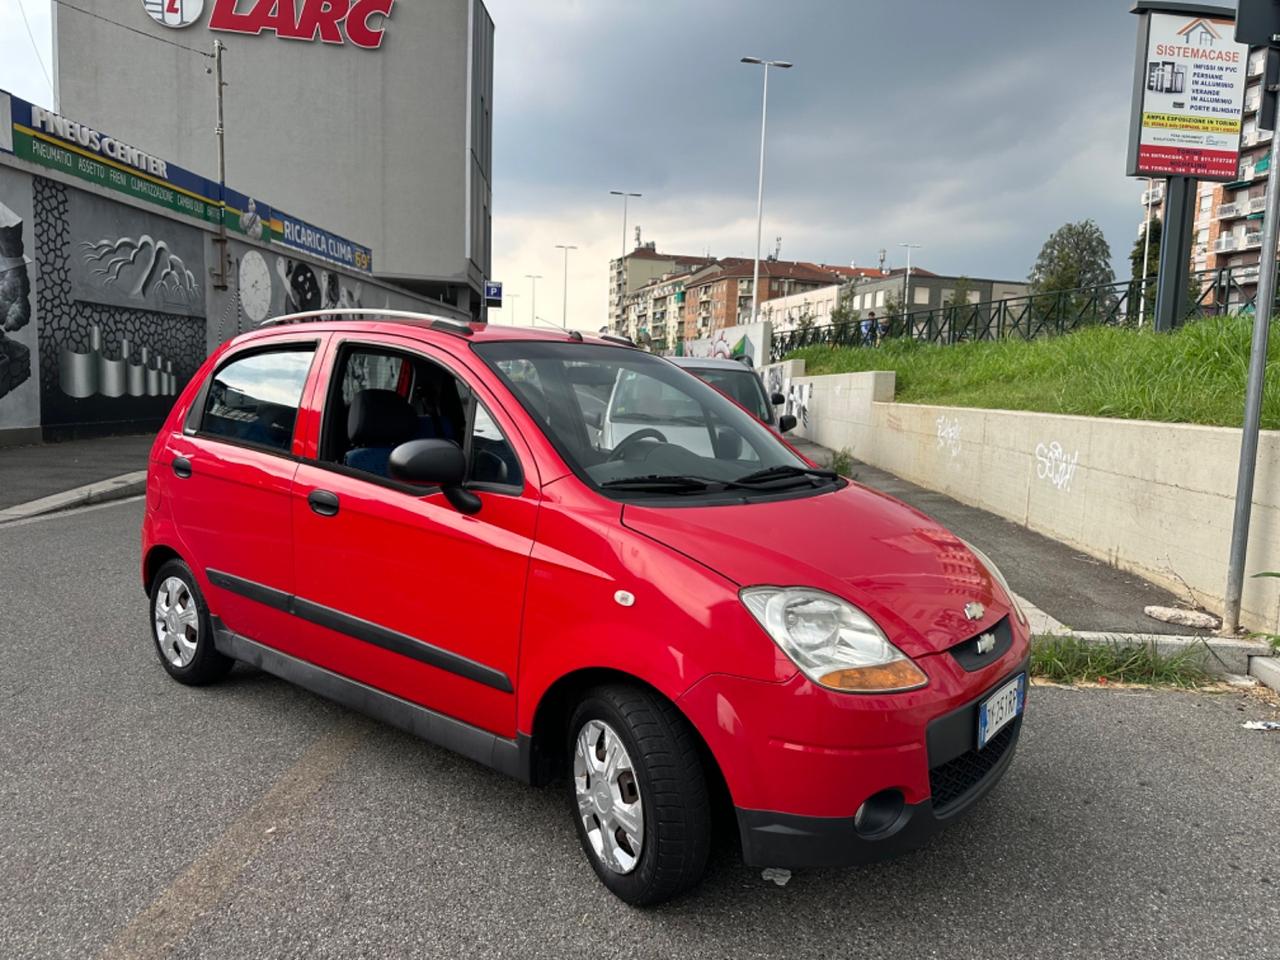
(640,267)
(653,314)
(720,293)
(928,291)
(1227,231)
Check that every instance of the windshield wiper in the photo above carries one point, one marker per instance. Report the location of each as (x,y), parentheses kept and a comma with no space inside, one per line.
(786,471)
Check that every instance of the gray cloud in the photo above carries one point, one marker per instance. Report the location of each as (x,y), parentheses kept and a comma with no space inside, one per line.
(975,128)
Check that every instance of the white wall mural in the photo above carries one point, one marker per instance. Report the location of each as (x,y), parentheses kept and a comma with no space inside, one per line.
(1055,466)
(19,369)
(142,265)
(753,340)
(125,257)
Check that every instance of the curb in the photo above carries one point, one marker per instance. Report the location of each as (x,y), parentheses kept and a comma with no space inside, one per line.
(1223,656)
(1266,670)
(103,491)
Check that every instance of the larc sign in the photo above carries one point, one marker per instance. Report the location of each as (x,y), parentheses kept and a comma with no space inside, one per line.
(329,21)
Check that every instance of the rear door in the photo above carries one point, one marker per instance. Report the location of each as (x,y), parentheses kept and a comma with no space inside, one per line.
(233,469)
(395,587)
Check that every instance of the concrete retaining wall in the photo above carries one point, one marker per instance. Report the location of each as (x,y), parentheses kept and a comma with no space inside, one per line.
(1154,498)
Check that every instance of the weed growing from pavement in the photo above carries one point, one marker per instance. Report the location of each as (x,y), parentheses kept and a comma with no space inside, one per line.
(842,462)
(1071,660)
(1193,375)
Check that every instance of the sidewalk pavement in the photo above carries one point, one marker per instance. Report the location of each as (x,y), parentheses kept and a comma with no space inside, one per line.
(1078,590)
(36,472)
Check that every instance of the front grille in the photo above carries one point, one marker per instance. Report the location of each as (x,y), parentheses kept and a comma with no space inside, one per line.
(950,781)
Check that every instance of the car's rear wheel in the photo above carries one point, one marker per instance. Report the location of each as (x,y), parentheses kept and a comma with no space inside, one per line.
(638,794)
(181,628)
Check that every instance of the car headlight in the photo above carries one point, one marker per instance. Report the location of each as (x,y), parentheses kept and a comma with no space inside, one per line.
(831,640)
(999,578)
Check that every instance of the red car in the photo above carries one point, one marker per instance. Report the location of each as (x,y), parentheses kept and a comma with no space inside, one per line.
(411,516)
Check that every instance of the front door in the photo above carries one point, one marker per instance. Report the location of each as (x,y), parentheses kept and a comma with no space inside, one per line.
(231,472)
(396,588)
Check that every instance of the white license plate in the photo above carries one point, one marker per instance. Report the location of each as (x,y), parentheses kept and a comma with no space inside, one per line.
(999,709)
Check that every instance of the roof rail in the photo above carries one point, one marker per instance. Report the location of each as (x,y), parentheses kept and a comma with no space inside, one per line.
(445,324)
(625,341)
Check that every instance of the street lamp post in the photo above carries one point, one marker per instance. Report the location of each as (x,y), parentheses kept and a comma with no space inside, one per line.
(764,114)
(625,195)
(533,296)
(564,305)
(906,291)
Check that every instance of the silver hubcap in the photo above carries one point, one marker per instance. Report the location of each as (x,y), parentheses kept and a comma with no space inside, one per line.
(177,622)
(608,796)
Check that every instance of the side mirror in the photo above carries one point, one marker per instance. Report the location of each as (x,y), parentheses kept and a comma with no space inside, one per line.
(786,423)
(778,400)
(594,419)
(435,463)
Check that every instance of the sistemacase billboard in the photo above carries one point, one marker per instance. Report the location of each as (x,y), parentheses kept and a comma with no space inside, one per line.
(1188,98)
(49,140)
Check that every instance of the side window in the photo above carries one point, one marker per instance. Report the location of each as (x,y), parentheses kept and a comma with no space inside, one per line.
(255,399)
(493,460)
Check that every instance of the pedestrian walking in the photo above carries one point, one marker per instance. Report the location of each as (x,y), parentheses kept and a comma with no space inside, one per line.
(868,325)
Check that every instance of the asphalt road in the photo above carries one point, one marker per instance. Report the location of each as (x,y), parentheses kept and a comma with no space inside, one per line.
(140,818)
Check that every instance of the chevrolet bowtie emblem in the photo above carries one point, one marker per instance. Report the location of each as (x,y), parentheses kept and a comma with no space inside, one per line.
(973,610)
(986,643)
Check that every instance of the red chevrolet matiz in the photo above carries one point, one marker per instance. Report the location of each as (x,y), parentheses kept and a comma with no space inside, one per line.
(566,558)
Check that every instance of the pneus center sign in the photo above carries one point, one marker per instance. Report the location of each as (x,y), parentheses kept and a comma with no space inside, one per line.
(1188,98)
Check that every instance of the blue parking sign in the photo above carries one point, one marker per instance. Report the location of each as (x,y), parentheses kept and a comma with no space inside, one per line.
(492,294)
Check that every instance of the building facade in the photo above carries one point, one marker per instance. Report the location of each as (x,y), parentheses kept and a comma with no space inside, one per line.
(373,118)
(720,294)
(654,314)
(639,268)
(888,292)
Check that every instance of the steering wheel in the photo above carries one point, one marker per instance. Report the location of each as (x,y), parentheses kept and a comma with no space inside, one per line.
(648,433)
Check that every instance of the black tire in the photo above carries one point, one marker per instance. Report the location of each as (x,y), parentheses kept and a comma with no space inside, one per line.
(206,665)
(672,786)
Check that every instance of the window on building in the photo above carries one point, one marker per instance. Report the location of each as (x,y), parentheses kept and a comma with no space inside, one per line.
(879,298)
(920,296)
(974,296)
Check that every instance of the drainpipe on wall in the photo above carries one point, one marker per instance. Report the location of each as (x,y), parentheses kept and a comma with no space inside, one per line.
(219,272)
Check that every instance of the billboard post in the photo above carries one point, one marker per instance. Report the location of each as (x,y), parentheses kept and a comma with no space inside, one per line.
(1188,102)
(1259,22)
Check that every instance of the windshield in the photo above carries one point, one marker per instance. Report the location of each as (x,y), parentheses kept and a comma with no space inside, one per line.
(741,385)
(630,423)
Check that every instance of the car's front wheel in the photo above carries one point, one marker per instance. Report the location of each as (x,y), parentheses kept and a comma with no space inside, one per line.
(638,794)
(182,629)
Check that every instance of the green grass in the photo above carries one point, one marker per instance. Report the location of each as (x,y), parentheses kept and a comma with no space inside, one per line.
(1070,660)
(1195,375)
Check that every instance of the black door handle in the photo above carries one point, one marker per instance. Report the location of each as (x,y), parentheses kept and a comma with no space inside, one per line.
(323,502)
(181,467)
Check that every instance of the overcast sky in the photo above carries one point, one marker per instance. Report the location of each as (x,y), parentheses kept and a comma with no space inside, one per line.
(972,128)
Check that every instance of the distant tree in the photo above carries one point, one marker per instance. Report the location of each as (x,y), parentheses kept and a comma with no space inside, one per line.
(1075,255)
(960,295)
(844,320)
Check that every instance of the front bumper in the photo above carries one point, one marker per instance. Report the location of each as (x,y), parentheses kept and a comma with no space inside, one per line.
(772,839)
(800,767)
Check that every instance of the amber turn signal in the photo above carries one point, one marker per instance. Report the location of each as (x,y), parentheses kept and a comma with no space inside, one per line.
(883,678)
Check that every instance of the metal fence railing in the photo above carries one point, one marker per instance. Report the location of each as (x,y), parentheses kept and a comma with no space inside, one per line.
(1212,292)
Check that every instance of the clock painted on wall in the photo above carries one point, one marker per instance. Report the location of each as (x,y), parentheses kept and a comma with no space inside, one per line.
(255,286)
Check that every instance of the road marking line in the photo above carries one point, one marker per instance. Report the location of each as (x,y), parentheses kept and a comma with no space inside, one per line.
(197,890)
(10,524)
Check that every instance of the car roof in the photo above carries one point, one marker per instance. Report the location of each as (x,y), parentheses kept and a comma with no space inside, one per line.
(710,363)
(401,321)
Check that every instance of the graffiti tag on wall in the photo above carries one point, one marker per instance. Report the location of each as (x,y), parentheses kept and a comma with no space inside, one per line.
(949,435)
(1054,465)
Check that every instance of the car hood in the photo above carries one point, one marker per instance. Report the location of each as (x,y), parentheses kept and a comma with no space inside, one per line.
(913,576)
